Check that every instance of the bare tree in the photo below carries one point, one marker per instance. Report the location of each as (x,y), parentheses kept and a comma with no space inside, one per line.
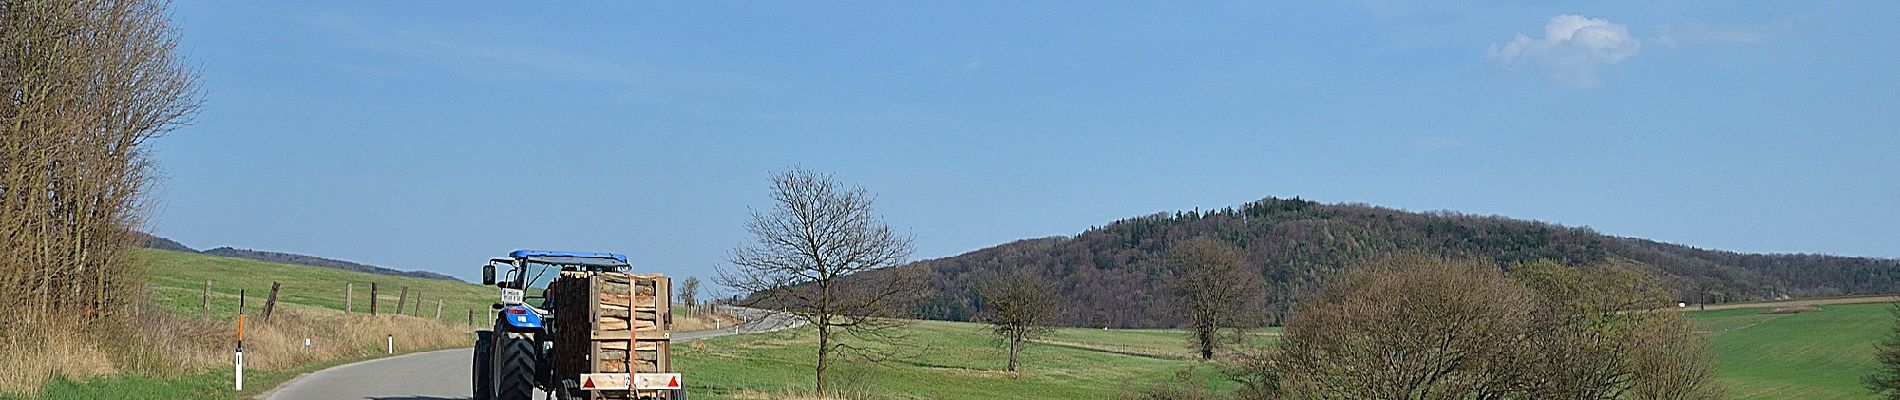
(83,85)
(1021,306)
(820,254)
(1217,290)
(689,292)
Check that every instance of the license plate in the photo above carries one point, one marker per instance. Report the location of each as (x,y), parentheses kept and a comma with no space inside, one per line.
(511,296)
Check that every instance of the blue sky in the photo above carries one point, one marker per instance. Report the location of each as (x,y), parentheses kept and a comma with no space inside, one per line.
(432,136)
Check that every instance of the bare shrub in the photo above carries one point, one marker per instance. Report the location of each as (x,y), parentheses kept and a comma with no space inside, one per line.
(1425,327)
(83,85)
(86,83)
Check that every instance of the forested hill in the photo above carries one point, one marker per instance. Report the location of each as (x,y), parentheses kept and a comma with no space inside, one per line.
(1108,275)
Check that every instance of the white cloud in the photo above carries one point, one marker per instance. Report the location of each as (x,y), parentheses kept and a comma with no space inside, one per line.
(1573,48)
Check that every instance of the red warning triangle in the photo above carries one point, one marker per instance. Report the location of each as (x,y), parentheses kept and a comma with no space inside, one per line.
(587,383)
(673,383)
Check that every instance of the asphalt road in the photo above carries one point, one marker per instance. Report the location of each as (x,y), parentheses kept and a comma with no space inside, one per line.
(445,375)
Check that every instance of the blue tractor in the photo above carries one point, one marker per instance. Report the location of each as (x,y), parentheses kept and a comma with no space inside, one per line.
(515,358)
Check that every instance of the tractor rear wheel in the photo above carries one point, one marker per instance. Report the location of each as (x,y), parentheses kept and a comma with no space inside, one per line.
(484,364)
(514,379)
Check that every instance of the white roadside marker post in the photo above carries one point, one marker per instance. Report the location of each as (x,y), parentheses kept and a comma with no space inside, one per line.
(239,367)
(392,343)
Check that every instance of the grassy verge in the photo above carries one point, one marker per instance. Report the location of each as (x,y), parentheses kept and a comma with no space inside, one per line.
(216,384)
(169,348)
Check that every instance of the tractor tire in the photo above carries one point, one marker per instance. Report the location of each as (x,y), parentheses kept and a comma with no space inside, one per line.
(514,379)
(484,365)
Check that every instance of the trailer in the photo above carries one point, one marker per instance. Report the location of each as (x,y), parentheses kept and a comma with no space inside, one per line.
(576,326)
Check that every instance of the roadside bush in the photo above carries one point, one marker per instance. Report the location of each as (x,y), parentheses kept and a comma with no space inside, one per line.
(1423,327)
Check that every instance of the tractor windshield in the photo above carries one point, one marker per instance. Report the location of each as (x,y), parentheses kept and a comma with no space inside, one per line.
(538,276)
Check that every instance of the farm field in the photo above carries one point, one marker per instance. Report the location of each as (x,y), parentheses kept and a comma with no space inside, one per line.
(954,360)
(178,281)
(1813,355)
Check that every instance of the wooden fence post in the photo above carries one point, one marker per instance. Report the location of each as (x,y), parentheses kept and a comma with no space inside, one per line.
(471,317)
(207,306)
(402,299)
(349,289)
(416,309)
(270,304)
(372,298)
(438,309)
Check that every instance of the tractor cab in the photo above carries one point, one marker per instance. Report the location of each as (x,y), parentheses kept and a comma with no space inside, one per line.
(524,284)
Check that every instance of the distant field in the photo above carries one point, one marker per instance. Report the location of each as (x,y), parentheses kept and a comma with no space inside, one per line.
(1165,343)
(1815,355)
(1797,302)
(178,281)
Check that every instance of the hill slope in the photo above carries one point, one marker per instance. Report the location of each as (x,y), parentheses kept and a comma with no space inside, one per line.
(178,281)
(1109,278)
(314,261)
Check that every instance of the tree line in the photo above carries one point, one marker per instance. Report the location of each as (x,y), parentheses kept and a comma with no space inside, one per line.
(1109,275)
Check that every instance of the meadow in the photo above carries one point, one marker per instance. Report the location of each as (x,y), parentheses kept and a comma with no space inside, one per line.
(178,281)
(948,360)
(1814,355)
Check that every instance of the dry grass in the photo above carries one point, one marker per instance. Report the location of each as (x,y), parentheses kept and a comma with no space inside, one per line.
(1795,309)
(29,357)
(703,321)
(780,395)
(162,344)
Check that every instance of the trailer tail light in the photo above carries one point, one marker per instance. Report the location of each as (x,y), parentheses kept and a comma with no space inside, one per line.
(656,381)
(606,382)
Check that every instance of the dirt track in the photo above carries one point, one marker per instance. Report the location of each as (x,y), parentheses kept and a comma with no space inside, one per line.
(1796,302)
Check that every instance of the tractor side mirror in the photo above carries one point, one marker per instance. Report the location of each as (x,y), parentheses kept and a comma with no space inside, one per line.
(488,274)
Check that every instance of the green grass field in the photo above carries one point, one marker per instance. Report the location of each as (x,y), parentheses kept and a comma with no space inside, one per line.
(1815,355)
(178,280)
(952,360)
